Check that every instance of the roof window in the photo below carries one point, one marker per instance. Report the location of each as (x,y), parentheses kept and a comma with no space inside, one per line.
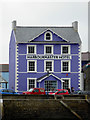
(48,36)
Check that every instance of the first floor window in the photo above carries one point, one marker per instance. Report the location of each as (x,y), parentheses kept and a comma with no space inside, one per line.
(50,85)
(65,66)
(49,66)
(66,84)
(32,66)
(48,49)
(31,83)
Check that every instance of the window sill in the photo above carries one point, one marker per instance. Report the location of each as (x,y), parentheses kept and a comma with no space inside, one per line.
(65,71)
(31,71)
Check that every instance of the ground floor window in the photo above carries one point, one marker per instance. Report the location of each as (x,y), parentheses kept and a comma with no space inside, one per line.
(66,84)
(31,83)
(50,85)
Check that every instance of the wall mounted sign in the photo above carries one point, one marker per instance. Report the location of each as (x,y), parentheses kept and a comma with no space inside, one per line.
(48,56)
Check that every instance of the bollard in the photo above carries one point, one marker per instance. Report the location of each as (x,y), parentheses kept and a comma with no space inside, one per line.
(85,97)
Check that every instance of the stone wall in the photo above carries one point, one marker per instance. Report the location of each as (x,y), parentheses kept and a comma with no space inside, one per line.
(42,108)
(35,109)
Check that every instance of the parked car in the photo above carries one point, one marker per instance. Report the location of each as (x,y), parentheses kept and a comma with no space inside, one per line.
(54,91)
(78,92)
(7,91)
(35,91)
(59,92)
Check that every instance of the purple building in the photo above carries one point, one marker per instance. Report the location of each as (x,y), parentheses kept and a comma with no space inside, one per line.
(48,57)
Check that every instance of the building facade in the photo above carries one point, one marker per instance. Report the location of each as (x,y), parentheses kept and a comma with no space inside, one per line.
(48,57)
(4,76)
(86,70)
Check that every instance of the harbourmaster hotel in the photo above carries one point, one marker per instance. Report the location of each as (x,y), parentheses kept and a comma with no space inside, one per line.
(44,57)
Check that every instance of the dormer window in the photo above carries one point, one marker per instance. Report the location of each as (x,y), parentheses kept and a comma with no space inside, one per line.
(48,36)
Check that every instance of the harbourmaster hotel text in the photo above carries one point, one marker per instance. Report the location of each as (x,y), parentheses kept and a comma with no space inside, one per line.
(47,57)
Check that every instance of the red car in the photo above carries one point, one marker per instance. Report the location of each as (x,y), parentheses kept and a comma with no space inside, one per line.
(59,92)
(35,91)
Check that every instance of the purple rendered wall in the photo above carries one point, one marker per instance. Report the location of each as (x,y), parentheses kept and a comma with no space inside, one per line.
(12,58)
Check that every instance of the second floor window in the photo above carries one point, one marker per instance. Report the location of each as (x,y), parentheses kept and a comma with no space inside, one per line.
(31,49)
(65,49)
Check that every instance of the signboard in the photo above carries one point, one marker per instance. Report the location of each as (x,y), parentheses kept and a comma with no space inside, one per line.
(48,56)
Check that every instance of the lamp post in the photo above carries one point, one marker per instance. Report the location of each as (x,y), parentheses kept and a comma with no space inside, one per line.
(48,71)
(48,76)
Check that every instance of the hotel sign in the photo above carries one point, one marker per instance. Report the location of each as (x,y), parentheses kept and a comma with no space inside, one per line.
(48,56)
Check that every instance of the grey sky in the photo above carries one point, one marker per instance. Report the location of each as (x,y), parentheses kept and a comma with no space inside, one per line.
(41,13)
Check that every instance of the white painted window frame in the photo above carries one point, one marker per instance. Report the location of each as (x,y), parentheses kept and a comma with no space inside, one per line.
(31,46)
(28,66)
(69,49)
(28,82)
(45,65)
(68,66)
(50,35)
(66,79)
(45,49)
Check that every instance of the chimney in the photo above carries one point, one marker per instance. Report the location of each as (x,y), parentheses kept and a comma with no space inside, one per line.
(75,26)
(14,25)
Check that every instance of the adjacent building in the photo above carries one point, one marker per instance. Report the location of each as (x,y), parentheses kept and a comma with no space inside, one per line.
(48,57)
(86,70)
(4,76)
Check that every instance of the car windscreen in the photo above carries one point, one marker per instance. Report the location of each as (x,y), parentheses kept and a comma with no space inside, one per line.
(54,91)
(31,90)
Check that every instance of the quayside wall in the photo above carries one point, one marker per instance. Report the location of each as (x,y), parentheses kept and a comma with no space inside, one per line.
(24,107)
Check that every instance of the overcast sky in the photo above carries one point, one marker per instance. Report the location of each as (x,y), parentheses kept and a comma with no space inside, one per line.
(28,13)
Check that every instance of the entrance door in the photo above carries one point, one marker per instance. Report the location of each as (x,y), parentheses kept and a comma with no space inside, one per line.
(50,85)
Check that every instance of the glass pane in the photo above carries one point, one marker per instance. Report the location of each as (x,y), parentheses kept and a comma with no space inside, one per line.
(48,49)
(50,85)
(31,83)
(66,84)
(48,36)
(32,66)
(31,49)
(49,66)
(65,66)
(65,50)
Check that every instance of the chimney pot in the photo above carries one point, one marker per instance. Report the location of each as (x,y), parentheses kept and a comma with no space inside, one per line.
(13,24)
(75,25)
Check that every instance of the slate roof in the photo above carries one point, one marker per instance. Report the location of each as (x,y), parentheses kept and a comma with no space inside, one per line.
(25,34)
